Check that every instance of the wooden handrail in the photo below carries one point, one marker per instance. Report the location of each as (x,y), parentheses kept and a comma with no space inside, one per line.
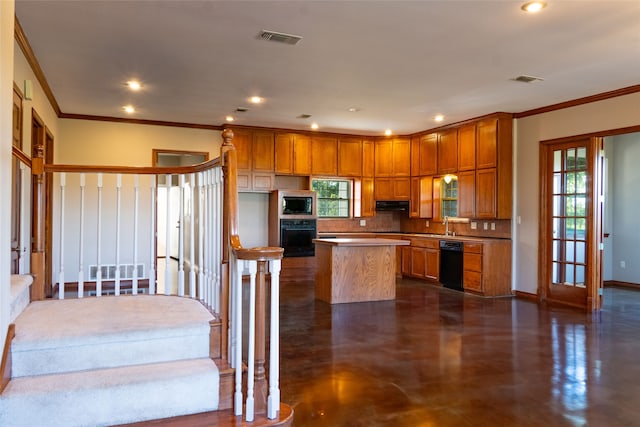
(21,155)
(5,366)
(140,170)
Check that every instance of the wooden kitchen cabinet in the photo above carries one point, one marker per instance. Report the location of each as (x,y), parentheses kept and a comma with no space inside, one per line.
(467,194)
(486,193)
(421,205)
(292,154)
(393,157)
(255,160)
(487,267)
(422,259)
(467,148)
(448,151)
(486,152)
(424,155)
(368,158)
(350,157)
(392,188)
(324,155)
(367,197)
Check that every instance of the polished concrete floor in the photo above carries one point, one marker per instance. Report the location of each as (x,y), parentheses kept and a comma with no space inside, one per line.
(436,357)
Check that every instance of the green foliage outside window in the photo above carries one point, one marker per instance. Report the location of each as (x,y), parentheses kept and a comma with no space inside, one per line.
(333,197)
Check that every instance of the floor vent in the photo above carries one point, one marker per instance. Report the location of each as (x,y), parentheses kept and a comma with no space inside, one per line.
(109,271)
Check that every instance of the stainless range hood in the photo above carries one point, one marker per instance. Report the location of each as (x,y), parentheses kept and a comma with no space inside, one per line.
(392,205)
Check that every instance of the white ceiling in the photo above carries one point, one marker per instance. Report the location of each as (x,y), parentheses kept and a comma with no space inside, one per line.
(398,62)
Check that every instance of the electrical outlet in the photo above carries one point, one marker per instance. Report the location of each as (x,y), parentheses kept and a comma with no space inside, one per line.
(426,223)
(623,264)
(519,219)
(486,225)
(474,225)
(493,226)
(363,223)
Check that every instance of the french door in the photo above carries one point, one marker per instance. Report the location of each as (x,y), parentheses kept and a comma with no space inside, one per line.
(571,229)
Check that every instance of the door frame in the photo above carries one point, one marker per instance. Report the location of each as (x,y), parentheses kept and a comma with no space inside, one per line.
(594,249)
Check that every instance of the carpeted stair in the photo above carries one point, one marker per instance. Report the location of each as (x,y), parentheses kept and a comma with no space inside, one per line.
(109,360)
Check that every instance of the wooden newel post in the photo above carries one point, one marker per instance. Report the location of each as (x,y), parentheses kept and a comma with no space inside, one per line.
(227,155)
(38,224)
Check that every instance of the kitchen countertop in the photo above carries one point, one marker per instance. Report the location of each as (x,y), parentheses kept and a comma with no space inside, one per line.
(401,235)
(361,241)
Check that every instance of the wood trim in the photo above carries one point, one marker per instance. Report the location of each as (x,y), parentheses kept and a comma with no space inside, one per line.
(21,155)
(579,101)
(619,284)
(527,296)
(140,170)
(600,134)
(5,366)
(25,46)
(138,121)
(544,232)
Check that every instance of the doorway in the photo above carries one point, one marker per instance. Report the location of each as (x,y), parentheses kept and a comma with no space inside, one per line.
(167,212)
(571,222)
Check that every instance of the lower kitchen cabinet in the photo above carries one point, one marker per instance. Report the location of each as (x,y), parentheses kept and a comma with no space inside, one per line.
(487,267)
(422,259)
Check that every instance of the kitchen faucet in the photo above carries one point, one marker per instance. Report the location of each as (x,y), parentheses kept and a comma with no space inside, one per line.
(446,225)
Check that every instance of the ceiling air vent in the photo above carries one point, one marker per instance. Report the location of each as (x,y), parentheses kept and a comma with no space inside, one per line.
(304,116)
(241,110)
(279,37)
(527,79)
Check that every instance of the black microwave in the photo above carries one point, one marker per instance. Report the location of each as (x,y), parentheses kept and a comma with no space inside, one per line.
(297,205)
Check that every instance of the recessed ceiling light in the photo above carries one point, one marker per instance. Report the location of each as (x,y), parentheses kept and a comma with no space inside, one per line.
(387,132)
(129,109)
(314,126)
(229,118)
(134,85)
(534,6)
(438,118)
(256,100)
(354,109)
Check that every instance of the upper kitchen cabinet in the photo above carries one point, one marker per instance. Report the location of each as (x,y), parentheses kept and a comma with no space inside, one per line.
(467,148)
(255,159)
(421,205)
(292,154)
(324,155)
(424,155)
(494,167)
(350,157)
(392,157)
(448,151)
(368,164)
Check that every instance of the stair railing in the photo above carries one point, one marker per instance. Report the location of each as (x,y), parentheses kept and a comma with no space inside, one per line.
(104,234)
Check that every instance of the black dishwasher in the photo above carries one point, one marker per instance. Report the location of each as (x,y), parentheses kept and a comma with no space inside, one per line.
(451,264)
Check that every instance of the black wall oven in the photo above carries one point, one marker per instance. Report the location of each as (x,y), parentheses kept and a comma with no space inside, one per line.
(296,237)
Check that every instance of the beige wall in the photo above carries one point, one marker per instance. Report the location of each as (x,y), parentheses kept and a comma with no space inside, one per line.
(609,114)
(6,95)
(86,142)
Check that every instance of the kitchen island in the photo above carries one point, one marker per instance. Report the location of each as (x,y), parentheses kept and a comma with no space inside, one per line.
(356,269)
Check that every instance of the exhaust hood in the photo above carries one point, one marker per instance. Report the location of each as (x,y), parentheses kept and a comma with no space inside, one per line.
(392,205)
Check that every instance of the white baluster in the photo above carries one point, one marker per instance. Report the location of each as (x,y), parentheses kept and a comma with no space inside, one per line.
(251,343)
(201,224)
(167,239)
(181,240)
(273,401)
(237,317)
(192,237)
(118,208)
(218,238)
(134,279)
(61,273)
(81,243)
(99,240)
(210,253)
(152,241)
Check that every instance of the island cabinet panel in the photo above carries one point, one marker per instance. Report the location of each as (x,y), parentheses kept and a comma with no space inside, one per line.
(392,188)
(324,155)
(467,148)
(350,157)
(368,155)
(467,194)
(292,154)
(421,205)
(448,151)
(486,193)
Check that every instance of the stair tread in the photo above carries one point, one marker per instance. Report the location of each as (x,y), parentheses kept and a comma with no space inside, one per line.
(82,321)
